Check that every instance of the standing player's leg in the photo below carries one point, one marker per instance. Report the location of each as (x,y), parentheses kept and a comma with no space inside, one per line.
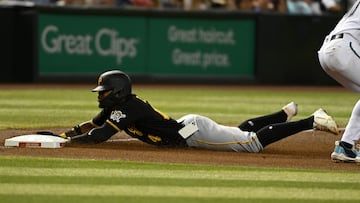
(344,149)
(340,60)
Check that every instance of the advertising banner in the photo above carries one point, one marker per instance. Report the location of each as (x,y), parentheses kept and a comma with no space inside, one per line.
(202,47)
(70,44)
(79,44)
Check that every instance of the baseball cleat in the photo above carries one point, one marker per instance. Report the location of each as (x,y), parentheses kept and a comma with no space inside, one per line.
(290,109)
(324,122)
(343,153)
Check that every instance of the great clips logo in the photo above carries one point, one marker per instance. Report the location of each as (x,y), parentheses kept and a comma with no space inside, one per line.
(105,42)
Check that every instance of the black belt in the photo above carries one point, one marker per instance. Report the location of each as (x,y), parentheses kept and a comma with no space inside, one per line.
(338,36)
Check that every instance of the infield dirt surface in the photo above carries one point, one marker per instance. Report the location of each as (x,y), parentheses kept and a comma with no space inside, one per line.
(305,150)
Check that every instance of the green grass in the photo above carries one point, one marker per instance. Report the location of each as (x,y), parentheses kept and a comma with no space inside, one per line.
(45,108)
(71,180)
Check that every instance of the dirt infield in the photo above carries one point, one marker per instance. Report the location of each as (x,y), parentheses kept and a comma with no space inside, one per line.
(306,150)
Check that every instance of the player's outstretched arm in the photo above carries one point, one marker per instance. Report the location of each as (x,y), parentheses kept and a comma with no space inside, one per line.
(95,135)
(79,129)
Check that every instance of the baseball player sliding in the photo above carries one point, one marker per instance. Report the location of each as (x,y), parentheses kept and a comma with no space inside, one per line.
(124,111)
(339,56)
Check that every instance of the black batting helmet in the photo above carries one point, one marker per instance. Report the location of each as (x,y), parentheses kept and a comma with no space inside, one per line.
(113,88)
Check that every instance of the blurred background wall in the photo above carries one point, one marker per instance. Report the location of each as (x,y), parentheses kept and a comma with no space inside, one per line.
(161,43)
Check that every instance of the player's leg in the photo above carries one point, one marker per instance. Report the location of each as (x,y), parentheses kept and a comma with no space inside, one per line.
(319,120)
(211,135)
(275,132)
(340,58)
(344,150)
(343,80)
(285,114)
(352,131)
